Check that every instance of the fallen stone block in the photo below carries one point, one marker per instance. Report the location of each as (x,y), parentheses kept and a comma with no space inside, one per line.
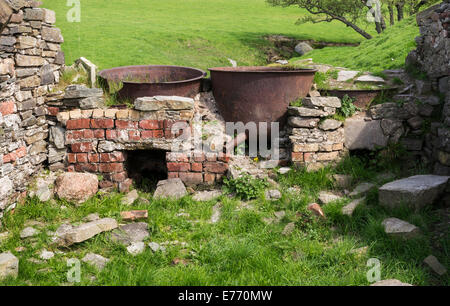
(350,208)
(415,191)
(435,265)
(86,231)
(129,233)
(134,215)
(9,265)
(96,260)
(398,228)
(171,188)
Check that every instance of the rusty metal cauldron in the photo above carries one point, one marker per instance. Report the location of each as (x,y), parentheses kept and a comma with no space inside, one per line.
(259,94)
(148,81)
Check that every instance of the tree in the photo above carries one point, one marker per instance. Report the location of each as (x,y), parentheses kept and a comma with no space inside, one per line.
(345,11)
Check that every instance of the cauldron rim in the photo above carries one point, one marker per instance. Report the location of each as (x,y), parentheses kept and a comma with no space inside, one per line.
(201,76)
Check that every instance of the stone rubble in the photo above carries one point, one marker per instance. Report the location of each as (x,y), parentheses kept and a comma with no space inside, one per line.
(95,260)
(171,188)
(435,265)
(398,228)
(9,265)
(85,231)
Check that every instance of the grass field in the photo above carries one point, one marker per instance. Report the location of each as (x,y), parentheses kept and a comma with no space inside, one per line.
(385,51)
(198,33)
(241,249)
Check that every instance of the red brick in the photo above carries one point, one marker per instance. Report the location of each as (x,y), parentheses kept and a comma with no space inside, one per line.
(13,156)
(147,134)
(53,111)
(104,123)
(7,108)
(88,134)
(198,156)
(190,178)
(78,124)
(119,177)
(216,167)
(149,124)
(307,157)
(134,135)
(158,134)
(94,157)
(82,147)
(74,135)
(197,167)
(111,134)
(71,158)
(210,178)
(172,175)
(112,157)
(85,167)
(111,167)
(223,157)
(297,157)
(99,134)
(82,158)
(125,124)
(178,167)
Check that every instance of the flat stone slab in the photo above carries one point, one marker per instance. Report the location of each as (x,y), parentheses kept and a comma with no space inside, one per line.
(203,196)
(130,233)
(416,191)
(361,134)
(9,265)
(350,208)
(435,265)
(346,75)
(369,79)
(95,260)
(171,188)
(361,189)
(86,231)
(163,102)
(399,228)
(390,282)
(326,197)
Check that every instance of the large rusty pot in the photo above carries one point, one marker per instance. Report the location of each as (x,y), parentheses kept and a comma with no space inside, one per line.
(259,94)
(148,81)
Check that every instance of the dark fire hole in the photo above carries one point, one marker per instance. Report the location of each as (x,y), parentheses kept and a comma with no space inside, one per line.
(146,168)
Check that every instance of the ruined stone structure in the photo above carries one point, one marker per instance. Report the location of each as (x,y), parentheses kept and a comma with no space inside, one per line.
(102,141)
(30,63)
(314,141)
(432,56)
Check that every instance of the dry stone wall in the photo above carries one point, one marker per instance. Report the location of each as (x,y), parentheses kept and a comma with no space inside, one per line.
(30,63)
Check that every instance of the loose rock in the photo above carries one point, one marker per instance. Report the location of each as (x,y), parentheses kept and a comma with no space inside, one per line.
(361,189)
(136,248)
(130,198)
(9,265)
(415,191)
(134,215)
(288,229)
(206,195)
(273,194)
(316,210)
(95,260)
(399,228)
(390,282)
(86,231)
(76,187)
(435,265)
(28,232)
(327,197)
(350,208)
(171,188)
(129,233)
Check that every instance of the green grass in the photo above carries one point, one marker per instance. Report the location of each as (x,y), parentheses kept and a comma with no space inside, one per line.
(198,33)
(241,249)
(385,51)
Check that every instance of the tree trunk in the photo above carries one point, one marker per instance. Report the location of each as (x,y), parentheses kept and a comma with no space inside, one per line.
(399,7)
(353,26)
(383,22)
(391,15)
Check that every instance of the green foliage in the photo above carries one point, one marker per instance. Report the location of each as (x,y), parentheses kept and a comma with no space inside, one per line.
(387,50)
(195,33)
(347,109)
(245,186)
(297,103)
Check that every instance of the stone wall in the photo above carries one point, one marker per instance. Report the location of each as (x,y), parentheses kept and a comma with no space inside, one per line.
(315,139)
(432,56)
(30,63)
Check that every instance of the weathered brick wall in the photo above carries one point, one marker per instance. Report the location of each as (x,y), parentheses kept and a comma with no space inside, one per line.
(97,140)
(30,63)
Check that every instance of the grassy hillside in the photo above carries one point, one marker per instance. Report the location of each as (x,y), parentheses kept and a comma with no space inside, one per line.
(385,51)
(199,33)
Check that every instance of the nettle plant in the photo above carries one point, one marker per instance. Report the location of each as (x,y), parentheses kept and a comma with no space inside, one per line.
(347,109)
(246,187)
